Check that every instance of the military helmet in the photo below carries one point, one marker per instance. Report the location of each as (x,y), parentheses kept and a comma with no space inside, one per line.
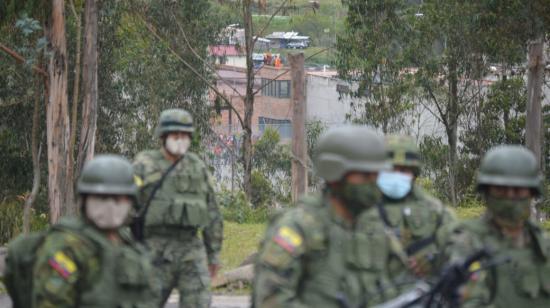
(175,120)
(510,165)
(349,148)
(403,151)
(107,174)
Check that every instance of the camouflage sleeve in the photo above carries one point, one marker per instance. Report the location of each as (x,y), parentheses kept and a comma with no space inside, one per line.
(213,232)
(64,264)
(461,243)
(279,267)
(139,175)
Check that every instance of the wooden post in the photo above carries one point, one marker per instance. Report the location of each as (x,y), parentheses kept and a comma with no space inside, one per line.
(535,76)
(533,130)
(299,146)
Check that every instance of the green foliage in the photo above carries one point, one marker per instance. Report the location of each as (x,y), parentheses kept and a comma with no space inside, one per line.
(449,45)
(11,220)
(271,175)
(262,190)
(314,129)
(145,77)
(236,208)
(370,54)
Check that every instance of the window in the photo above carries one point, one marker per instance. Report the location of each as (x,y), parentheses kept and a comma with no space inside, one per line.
(284,127)
(276,88)
(284,88)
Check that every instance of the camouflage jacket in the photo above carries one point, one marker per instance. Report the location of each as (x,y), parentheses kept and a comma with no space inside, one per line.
(520,275)
(84,269)
(312,257)
(421,222)
(185,202)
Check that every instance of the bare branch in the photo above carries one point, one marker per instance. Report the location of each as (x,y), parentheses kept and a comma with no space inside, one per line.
(191,68)
(261,33)
(443,115)
(430,111)
(203,60)
(10,103)
(19,58)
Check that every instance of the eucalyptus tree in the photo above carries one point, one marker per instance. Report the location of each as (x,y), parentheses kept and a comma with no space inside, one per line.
(371,58)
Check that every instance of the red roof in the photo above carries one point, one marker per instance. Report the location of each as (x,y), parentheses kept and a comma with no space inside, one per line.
(224,50)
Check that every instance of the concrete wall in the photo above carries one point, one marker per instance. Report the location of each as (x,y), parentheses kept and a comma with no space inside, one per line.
(323,101)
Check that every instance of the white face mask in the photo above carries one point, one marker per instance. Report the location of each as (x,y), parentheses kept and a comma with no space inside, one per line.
(107,213)
(177,146)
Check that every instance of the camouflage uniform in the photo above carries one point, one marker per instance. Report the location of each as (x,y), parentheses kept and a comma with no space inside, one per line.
(520,275)
(182,207)
(78,266)
(419,220)
(311,256)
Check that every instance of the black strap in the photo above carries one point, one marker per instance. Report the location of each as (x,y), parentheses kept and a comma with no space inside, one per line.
(138,224)
(383,214)
(415,247)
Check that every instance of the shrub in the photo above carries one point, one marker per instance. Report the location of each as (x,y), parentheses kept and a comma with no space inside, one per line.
(11,220)
(235,207)
(262,191)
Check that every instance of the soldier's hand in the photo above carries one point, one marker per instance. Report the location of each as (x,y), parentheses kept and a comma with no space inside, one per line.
(419,266)
(213,269)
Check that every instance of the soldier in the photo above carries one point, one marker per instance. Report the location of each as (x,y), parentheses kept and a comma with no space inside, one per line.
(89,261)
(331,250)
(518,273)
(179,203)
(417,218)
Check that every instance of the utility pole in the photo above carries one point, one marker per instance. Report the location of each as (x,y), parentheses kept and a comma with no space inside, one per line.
(299,146)
(535,76)
(533,129)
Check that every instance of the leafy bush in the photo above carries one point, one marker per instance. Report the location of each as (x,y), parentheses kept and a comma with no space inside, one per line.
(235,207)
(262,191)
(271,175)
(11,220)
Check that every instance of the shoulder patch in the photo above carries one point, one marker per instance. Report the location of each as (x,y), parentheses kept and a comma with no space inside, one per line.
(62,264)
(288,239)
(138,181)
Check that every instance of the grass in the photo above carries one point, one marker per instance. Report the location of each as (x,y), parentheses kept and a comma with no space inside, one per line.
(469,212)
(239,242)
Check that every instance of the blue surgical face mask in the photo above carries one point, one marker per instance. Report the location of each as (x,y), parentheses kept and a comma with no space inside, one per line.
(394,185)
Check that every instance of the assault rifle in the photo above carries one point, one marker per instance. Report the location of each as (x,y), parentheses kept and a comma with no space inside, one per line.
(444,293)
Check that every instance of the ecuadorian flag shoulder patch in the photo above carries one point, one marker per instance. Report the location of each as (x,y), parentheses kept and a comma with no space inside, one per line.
(288,239)
(62,264)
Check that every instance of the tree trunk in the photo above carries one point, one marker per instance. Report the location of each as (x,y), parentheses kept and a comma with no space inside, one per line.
(36,149)
(299,144)
(452,130)
(76,84)
(249,99)
(89,106)
(60,181)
